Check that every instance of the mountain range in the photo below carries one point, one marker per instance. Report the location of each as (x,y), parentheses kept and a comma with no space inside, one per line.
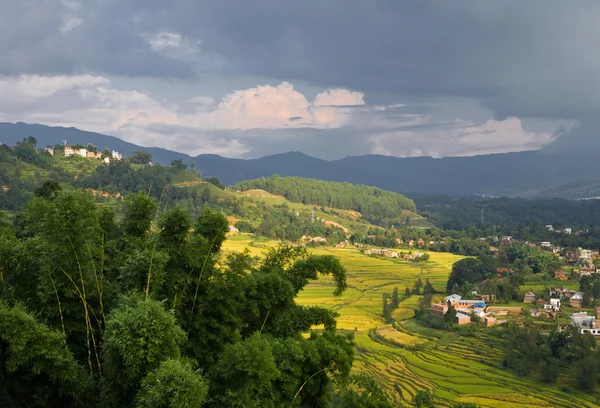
(524,174)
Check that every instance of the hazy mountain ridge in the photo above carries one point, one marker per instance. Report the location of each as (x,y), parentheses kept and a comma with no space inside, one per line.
(526,174)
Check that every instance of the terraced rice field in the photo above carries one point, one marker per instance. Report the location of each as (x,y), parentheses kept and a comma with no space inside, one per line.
(406,357)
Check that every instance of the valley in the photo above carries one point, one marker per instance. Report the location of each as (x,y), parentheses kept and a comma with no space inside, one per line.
(405,357)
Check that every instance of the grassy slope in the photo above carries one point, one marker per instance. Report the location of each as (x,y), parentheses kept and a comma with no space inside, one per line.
(455,368)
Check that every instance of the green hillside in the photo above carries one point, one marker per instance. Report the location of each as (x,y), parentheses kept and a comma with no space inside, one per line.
(372,202)
(24,168)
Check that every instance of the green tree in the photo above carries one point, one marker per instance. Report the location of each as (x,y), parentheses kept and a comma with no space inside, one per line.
(48,189)
(450,315)
(173,384)
(395,300)
(35,366)
(417,287)
(139,212)
(586,373)
(387,308)
(245,373)
(213,226)
(140,157)
(215,181)
(423,399)
(428,288)
(549,370)
(140,335)
(178,165)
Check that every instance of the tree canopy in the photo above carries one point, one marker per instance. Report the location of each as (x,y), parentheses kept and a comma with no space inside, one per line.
(147,312)
(370,201)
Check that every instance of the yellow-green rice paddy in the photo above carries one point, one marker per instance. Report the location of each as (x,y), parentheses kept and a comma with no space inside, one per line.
(406,357)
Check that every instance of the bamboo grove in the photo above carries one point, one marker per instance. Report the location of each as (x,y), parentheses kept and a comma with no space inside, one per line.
(143,310)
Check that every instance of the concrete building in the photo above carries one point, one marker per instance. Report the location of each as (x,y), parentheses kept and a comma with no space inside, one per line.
(585,323)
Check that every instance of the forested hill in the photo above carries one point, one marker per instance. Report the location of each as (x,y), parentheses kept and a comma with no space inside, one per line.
(370,201)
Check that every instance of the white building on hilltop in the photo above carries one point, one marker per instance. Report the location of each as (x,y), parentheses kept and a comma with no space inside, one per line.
(116,155)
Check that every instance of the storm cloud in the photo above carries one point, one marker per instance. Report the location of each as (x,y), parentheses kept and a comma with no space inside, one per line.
(366,66)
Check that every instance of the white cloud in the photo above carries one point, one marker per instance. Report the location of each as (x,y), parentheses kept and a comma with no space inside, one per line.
(171,43)
(69,24)
(33,87)
(257,119)
(459,138)
(339,97)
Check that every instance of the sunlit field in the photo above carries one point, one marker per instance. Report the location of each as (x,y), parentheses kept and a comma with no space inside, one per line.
(406,357)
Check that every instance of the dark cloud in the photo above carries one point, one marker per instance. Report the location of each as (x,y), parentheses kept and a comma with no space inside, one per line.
(529,59)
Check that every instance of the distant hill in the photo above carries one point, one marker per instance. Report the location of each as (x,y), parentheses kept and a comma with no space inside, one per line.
(11,133)
(526,174)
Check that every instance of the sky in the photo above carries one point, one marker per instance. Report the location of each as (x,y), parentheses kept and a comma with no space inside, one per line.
(330,78)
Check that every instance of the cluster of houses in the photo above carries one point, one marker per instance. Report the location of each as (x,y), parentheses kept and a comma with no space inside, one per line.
(88,154)
(557,294)
(464,310)
(388,253)
(69,151)
(381,252)
(316,240)
(567,231)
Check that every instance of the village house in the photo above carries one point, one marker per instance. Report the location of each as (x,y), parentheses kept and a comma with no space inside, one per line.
(49,150)
(570,255)
(438,310)
(233,229)
(91,155)
(545,244)
(465,305)
(82,152)
(462,318)
(568,231)
(529,297)
(534,312)
(550,227)
(586,270)
(577,300)
(507,239)
(69,151)
(420,242)
(585,255)
(494,249)
(504,272)
(561,275)
(553,305)
(410,243)
(489,321)
(585,323)
(116,155)
(561,292)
